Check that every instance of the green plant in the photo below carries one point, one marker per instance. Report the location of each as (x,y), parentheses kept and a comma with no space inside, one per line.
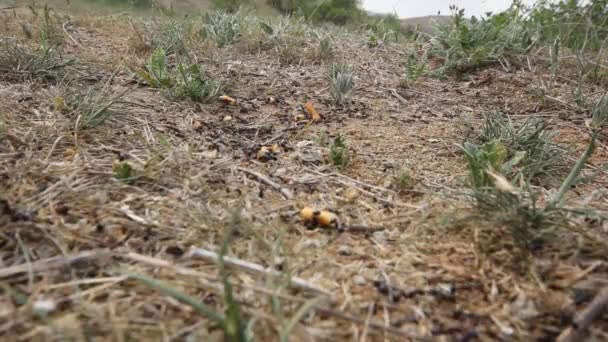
(166,33)
(224,28)
(91,107)
(578,24)
(339,153)
(325,50)
(21,61)
(124,172)
(231,6)
(531,221)
(49,30)
(189,84)
(372,40)
(157,74)
(384,28)
(403,178)
(529,148)
(46,61)
(340,77)
(414,67)
(184,82)
(2,127)
(468,44)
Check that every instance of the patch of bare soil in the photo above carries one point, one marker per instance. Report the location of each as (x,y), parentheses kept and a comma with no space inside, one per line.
(398,266)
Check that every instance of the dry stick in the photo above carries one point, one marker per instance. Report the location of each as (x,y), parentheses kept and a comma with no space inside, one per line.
(284,191)
(202,278)
(582,320)
(69,35)
(55,262)
(199,253)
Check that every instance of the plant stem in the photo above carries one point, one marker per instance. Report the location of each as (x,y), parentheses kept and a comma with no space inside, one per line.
(576,170)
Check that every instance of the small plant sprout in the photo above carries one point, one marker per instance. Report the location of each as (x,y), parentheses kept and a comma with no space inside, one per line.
(157,74)
(325,50)
(414,67)
(341,82)
(124,171)
(2,127)
(189,84)
(339,153)
(403,179)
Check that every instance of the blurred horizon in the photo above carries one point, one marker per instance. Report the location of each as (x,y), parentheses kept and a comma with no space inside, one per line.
(414,8)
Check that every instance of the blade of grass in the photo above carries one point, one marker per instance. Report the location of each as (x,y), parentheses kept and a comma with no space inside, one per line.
(172,292)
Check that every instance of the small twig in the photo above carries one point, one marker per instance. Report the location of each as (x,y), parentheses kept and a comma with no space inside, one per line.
(399,97)
(199,253)
(69,35)
(55,262)
(284,191)
(583,320)
(356,228)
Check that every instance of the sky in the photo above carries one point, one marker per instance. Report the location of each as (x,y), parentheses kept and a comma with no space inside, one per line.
(420,8)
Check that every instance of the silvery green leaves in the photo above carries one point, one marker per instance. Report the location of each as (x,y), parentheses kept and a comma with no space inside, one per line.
(224,28)
(340,77)
(185,81)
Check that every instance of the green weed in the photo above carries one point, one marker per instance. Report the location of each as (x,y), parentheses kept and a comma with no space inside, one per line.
(225,28)
(468,44)
(189,84)
(185,81)
(339,152)
(325,49)
(530,148)
(124,172)
(414,66)
(532,222)
(340,77)
(166,33)
(403,178)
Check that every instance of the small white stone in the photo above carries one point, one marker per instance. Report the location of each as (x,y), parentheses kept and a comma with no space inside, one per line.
(227,118)
(44,306)
(359,280)
(345,250)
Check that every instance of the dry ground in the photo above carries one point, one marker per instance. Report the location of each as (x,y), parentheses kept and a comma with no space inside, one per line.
(421,277)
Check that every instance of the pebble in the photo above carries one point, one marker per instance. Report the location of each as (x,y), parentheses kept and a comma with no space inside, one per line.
(345,251)
(359,280)
(44,306)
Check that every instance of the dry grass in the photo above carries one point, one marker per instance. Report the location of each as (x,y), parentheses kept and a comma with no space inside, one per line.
(78,243)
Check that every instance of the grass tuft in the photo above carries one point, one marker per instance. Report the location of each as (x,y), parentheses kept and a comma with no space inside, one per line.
(90,107)
(529,148)
(340,77)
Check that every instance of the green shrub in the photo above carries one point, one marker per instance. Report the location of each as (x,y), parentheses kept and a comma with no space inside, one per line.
(468,44)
